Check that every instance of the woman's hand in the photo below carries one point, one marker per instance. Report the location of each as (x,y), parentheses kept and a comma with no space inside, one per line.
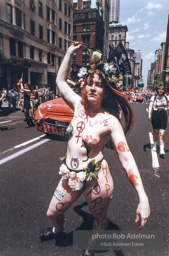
(150,118)
(143,213)
(74,47)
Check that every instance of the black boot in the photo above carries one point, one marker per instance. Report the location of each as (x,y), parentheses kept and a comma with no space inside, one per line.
(27,123)
(47,234)
(31,122)
(88,252)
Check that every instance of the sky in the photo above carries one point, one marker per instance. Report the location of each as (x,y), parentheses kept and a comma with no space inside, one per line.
(147,26)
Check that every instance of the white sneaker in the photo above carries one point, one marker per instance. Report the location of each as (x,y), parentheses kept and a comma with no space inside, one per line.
(154,148)
(162,152)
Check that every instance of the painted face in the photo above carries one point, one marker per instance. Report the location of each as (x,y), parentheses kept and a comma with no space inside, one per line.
(95,90)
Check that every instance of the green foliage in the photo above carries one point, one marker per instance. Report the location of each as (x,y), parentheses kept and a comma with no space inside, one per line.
(92,170)
(3,58)
(158,84)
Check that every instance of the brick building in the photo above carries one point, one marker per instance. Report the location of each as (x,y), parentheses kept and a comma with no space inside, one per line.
(88,27)
(34,35)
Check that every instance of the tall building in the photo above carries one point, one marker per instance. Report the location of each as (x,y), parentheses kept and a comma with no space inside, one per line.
(88,27)
(114,13)
(34,35)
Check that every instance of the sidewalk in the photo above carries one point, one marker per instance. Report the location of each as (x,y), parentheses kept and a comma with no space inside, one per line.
(6,111)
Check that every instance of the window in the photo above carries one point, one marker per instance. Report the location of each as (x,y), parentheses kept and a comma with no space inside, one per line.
(24,20)
(60,5)
(32,52)
(48,35)
(53,37)
(69,10)
(53,60)
(48,13)
(9,8)
(69,26)
(48,58)
(18,17)
(20,49)
(59,61)
(65,27)
(40,54)
(53,16)
(60,42)
(87,4)
(40,9)
(85,58)
(60,24)
(12,46)
(86,39)
(65,44)
(32,5)
(65,8)
(75,6)
(40,32)
(32,24)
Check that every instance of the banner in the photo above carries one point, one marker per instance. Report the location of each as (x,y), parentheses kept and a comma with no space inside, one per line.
(120,59)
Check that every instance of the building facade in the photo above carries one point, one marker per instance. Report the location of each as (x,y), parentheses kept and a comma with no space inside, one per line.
(34,36)
(114,13)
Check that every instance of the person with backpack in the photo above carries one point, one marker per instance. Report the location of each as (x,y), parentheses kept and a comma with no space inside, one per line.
(157,114)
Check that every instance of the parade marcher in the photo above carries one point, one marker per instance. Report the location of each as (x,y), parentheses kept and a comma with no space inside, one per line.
(27,91)
(84,169)
(157,114)
(14,95)
(2,97)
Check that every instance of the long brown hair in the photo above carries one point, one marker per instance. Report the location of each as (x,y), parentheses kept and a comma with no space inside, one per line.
(114,103)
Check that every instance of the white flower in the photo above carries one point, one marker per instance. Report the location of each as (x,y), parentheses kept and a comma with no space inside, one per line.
(111,67)
(72,175)
(96,56)
(108,68)
(75,185)
(64,171)
(81,176)
(82,72)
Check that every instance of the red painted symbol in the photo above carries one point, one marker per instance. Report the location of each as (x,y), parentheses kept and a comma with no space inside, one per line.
(80,127)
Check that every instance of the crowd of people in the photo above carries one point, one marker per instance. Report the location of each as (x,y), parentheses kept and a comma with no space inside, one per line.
(25,97)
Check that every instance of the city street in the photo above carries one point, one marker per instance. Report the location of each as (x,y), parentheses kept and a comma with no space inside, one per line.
(29,164)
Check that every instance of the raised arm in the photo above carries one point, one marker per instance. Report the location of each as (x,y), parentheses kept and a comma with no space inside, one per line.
(67,93)
(128,163)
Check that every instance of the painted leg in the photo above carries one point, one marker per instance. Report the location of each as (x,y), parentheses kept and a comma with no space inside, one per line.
(155,137)
(98,194)
(62,199)
(162,141)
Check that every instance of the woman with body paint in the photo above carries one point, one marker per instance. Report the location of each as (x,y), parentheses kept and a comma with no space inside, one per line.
(95,124)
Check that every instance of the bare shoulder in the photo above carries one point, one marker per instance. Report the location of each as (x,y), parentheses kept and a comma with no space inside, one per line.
(113,122)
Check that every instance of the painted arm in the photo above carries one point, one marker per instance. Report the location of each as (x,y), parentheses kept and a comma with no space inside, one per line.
(128,163)
(70,97)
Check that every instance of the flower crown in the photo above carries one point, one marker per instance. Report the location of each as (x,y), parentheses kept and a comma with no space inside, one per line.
(105,69)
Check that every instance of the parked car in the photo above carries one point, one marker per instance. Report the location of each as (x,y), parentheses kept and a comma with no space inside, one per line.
(53,117)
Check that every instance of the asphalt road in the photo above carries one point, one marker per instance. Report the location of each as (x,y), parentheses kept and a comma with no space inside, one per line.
(28,177)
